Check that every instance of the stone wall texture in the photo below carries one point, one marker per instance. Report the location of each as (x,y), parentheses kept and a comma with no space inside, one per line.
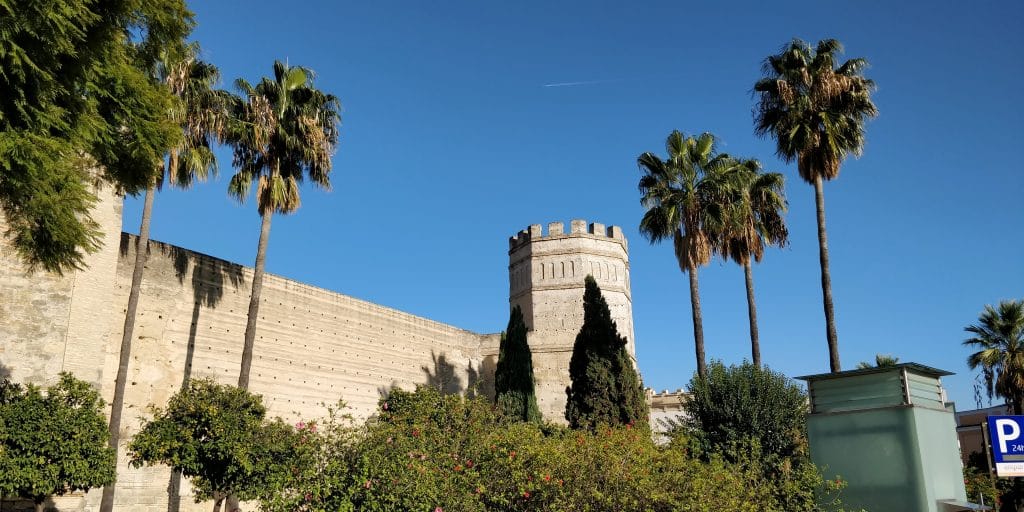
(313,346)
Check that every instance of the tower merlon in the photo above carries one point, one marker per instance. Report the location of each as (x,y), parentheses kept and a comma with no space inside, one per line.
(555,230)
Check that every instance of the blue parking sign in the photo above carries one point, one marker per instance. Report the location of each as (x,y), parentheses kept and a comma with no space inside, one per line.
(1006,434)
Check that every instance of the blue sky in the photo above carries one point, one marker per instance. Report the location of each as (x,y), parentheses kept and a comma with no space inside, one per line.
(451,142)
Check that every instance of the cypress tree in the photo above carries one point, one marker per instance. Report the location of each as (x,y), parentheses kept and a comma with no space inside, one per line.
(606,389)
(513,377)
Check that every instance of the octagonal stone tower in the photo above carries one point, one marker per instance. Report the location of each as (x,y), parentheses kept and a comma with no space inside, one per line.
(546,280)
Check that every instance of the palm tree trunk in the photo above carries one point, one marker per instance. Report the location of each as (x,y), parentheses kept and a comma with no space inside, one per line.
(38,506)
(755,341)
(698,324)
(117,402)
(826,278)
(217,500)
(254,300)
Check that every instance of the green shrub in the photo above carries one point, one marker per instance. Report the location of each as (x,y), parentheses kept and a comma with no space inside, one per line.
(53,443)
(737,403)
(425,451)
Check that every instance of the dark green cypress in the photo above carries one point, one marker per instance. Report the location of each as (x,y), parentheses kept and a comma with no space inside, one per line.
(513,377)
(606,389)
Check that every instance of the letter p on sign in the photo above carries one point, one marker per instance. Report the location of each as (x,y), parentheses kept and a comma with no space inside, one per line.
(1006,430)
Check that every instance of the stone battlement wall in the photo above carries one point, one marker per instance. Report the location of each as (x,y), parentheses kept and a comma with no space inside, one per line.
(577,227)
(312,345)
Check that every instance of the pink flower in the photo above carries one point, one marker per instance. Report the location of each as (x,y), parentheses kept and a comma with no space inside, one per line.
(385,407)
(300,425)
(438,509)
(366,485)
(309,497)
(312,427)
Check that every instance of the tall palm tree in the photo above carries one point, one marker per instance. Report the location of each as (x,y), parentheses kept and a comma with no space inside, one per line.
(683,195)
(755,220)
(198,110)
(999,336)
(283,130)
(816,112)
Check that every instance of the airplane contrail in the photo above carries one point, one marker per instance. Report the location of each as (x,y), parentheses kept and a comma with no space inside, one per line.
(571,84)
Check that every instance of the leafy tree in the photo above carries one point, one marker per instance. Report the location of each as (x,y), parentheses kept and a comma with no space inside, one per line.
(816,113)
(881,361)
(282,131)
(755,220)
(216,436)
(744,411)
(198,111)
(54,443)
(77,97)
(513,377)
(684,197)
(606,389)
(999,338)
(737,403)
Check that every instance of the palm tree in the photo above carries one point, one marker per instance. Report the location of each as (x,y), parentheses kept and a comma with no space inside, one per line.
(755,220)
(283,130)
(683,196)
(198,110)
(999,336)
(816,112)
(881,361)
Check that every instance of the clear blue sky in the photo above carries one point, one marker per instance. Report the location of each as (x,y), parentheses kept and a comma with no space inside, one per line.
(451,142)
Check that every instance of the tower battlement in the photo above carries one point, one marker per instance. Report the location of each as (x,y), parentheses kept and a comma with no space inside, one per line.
(556,230)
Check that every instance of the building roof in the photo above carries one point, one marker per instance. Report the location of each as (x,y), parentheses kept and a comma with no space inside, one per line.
(914,367)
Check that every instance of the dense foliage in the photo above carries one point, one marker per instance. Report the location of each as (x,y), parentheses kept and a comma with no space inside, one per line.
(606,389)
(737,403)
(52,443)
(742,409)
(216,436)
(428,451)
(77,96)
(513,376)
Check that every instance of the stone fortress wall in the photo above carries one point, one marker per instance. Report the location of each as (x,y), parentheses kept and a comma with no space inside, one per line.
(313,346)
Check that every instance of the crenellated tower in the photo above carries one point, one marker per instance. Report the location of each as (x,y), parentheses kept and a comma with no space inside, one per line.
(546,280)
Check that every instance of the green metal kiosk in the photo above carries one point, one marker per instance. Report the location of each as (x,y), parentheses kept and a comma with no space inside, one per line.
(890,434)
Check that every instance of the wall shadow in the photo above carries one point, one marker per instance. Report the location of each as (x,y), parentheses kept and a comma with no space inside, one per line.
(443,376)
(209,278)
(481,378)
(23,505)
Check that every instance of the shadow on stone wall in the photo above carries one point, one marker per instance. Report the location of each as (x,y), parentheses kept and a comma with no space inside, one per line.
(209,278)
(481,378)
(443,376)
(21,505)
(5,372)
